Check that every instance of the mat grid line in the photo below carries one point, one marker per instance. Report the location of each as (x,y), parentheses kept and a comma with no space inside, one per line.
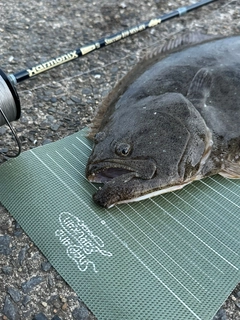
(222,186)
(193,185)
(204,205)
(220,194)
(196,235)
(174,194)
(192,248)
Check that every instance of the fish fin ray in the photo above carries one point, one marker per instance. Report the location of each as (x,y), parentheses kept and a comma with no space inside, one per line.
(200,87)
(173,44)
(231,170)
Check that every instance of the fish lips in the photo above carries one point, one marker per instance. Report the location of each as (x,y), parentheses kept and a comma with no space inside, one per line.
(104,171)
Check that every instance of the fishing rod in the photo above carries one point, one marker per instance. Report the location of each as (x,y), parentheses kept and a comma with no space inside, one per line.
(10,108)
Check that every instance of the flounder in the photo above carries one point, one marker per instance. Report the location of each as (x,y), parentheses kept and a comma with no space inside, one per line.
(173,119)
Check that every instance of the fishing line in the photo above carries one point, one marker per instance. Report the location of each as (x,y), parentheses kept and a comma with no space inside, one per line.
(10,109)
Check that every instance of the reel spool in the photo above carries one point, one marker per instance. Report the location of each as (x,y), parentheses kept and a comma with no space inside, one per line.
(10,108)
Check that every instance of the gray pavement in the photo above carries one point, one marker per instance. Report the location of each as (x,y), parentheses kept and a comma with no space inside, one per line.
(62,101)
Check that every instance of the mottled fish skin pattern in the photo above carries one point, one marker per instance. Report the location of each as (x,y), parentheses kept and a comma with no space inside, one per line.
(176,122)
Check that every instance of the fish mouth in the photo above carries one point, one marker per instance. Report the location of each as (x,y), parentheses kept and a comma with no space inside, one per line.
(107,174)
(104,171)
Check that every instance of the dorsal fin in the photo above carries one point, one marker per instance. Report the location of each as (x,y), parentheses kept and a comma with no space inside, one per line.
(170,46)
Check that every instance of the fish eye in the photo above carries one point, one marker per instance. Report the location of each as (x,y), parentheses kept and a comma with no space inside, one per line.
(100,136)
(123,149)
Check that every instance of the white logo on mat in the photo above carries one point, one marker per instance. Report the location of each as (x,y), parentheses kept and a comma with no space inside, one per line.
(79,240)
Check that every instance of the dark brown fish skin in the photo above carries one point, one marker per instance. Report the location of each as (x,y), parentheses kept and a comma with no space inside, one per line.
(182,115)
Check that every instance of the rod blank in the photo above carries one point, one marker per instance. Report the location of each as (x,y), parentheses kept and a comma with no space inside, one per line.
(28,73)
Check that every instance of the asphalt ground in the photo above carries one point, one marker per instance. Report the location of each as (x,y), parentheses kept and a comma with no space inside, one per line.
(62,101)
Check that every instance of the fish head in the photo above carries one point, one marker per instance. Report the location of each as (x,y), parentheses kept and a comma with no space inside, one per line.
(156,143)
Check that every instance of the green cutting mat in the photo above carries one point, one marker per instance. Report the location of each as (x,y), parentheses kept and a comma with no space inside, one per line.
(175,256)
